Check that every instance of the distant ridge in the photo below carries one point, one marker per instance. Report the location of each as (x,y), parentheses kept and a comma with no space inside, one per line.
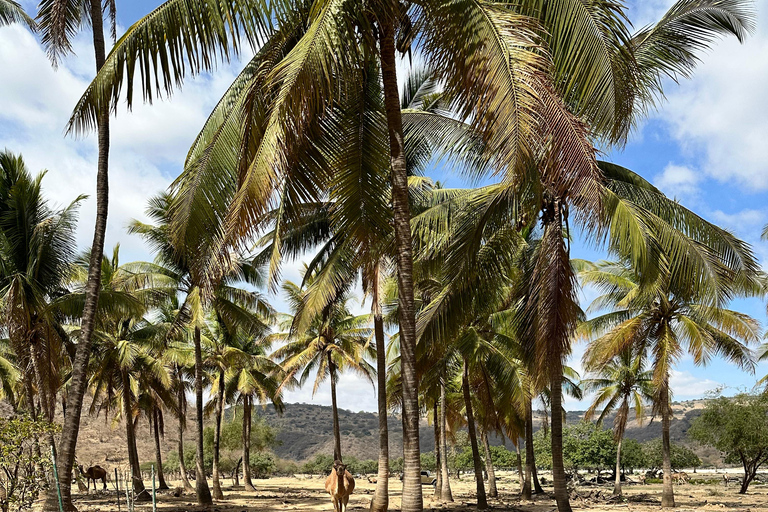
(306,429)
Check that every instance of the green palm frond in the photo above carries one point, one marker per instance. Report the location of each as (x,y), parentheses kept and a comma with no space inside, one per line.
(12,12)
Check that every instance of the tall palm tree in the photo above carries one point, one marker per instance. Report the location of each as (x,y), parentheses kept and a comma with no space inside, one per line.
(222,342)
(505,90)
(124,362)
(12,12)
(333,342)
(37,254)
(59,21)
(664,320)
(512,90)
(227,300)
(621,384)
(255,379)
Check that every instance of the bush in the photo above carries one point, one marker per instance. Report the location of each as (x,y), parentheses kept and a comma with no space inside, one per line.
(262,465)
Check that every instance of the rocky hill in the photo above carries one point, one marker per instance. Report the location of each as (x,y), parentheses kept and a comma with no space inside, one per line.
(306,429)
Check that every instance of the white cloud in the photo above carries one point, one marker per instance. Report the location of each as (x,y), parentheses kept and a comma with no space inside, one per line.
(741,221)
(148,145)
(721,111)
(679,182)
(685,385)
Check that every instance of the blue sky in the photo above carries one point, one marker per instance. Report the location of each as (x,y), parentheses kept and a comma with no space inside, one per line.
(707,145)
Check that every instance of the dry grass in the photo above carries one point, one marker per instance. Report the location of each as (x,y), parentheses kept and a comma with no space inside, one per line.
(281,494)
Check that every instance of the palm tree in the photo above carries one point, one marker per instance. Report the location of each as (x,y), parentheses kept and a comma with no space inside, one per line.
(37,253)
(505,89)
(124,371)
(309,52)
(228,302)
(664,319)
(124,363)
(334,341)
(256,379)
(12,12)
(59,21)
(222,355)
(622,384)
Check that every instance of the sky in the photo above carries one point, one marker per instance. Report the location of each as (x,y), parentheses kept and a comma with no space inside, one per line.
(706,145)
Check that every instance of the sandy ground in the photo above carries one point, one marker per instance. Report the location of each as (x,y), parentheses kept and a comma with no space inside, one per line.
(281,494)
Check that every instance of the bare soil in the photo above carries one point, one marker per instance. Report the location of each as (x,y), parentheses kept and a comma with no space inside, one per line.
(281,494)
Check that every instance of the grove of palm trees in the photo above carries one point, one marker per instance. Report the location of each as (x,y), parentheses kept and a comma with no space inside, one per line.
(392,193)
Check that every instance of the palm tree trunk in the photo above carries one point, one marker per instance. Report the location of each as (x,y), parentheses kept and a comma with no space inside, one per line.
(161,484)
(558,471)
(79,377)
(130,435)
(201,483)
(380,501)
(247,482)
(482,503)
(530,464)
(438,454)
(667,493)
(617,483)
(492,491)
(536,484)
(519,461)
(217,493)
(445,477)
(412,496)
(182,423)
(336,429)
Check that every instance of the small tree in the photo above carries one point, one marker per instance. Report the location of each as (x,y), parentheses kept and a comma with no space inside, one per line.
(23,466)
(632,456)
(680,456)
(738,427)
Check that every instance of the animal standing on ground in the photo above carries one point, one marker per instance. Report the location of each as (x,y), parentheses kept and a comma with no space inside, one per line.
(340,485)
(680,478)
(726,479)
(94,473)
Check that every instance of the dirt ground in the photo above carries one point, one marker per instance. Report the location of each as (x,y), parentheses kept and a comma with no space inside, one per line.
(281,494)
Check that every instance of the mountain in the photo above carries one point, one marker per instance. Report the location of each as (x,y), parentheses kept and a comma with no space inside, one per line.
(306,429)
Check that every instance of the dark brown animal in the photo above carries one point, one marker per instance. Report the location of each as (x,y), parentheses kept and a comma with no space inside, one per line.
(340,485)
(94,473)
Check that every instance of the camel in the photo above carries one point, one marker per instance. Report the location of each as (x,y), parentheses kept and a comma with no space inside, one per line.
(340,485)
(94,473)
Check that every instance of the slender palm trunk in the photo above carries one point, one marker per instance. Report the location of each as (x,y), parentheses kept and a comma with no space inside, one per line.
(519,461)
(482,503)
(380,501)
(217,493)
(335,409)
(130,435)
(667,493)
(78,379)
(536,484)
(438,454)
(492,491)
(161,484)
(558,470)
(445,477)
(412,496)
(617,483)
(201,483)
(530,464)
(182,424)
(247,482)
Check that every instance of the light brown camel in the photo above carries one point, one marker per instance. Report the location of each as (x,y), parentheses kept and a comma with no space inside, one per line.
(340,485)
(94,473)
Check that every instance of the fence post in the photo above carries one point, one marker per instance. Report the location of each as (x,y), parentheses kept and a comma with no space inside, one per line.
(117,487)
(154,496)
(56,479)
